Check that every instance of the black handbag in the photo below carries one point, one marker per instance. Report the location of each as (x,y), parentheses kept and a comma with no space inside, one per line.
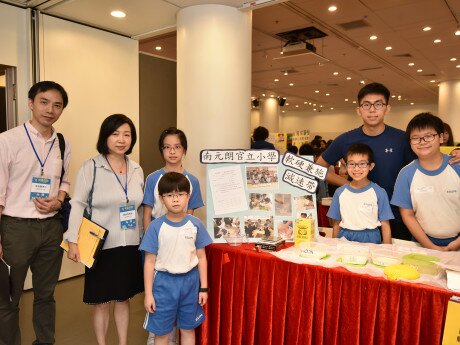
(65,208)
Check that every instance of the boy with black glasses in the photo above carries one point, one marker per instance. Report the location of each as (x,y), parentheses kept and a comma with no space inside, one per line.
(427,191)
(361,207)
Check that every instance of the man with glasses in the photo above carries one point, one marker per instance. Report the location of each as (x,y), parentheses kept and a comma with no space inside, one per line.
(390,146)
(427,191)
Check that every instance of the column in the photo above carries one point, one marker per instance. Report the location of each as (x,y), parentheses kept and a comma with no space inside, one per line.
(449,105)
(213,80)
(269,114)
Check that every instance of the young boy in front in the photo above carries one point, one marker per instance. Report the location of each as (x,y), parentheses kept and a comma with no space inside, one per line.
(360,207)
(427,191)
(175,268)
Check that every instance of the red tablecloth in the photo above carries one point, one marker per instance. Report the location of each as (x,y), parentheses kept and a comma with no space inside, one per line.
(256,298)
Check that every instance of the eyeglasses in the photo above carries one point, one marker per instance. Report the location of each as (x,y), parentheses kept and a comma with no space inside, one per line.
(169,148)
(377,105)
(426,138)
(353,165)
(174,195)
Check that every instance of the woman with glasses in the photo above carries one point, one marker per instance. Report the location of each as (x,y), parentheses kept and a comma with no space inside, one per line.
(114,184)
(173,147)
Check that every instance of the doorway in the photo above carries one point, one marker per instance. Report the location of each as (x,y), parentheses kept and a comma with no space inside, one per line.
(8,102)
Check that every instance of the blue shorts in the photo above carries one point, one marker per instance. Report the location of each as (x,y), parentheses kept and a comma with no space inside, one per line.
(363,236)
(442,242)
(176,300)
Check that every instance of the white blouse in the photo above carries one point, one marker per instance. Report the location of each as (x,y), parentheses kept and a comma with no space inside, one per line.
(108,196)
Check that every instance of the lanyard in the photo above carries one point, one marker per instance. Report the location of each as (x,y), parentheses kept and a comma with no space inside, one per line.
(42,165)
(125,188)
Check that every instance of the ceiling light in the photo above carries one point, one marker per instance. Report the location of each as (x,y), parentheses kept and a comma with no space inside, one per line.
(453,59)
(426,28)
(286,73)
(411,64)
(287,103)
(282,111)
(362,82)
(157,48)
(328,94)
(411,103)
(296,105)
(314,105)
(309,103)
(346,99)
(373,37)
(393,96)
(317,91)
(332,8)
(348,78)
(388,48)
(420,70)
(276,80)
(335,73)
(305,102)
(263,95)
(314,109)
(291,84)
(437,40)
(320,106)
(354,102)
(118,14)
(332,108)
(272,96)
(432,81)
(457,32)
(458,66)
(281,52)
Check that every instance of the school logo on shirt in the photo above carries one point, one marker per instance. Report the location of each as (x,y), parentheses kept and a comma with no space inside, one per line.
(388,150)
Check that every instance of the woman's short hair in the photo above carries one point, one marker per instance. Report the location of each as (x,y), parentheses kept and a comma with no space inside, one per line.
(110,125)
(172,131)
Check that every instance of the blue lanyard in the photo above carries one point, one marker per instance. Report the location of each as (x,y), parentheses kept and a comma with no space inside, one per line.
(125,188)
(42,165)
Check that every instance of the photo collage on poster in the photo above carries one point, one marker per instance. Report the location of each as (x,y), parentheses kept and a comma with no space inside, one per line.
(272,206)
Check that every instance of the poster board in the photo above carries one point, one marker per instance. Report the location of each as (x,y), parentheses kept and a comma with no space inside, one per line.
(259,193)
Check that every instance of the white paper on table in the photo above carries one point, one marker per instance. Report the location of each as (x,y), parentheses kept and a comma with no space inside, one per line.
(227,190)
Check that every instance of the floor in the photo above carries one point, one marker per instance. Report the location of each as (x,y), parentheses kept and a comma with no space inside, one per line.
(74,319)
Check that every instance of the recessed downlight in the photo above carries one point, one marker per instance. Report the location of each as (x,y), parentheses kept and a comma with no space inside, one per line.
(420,70)
(276,80)
(427,28)
(348,78)
(118,14)
(346,99)
(291,84)
(453,59)
(411,64)
(316,91)
(373,37)
(432,81)
(411,103)
(388,48)
(328,94)
(332,8)
(437,40)
(158,48)
(335,73)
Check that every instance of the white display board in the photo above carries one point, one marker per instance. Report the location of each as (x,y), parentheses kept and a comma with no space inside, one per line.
(259,193)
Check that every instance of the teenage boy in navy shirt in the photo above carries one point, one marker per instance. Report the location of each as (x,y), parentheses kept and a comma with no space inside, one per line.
(427,191)
(175,268)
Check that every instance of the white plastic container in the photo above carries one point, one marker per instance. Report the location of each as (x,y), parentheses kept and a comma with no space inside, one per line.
(313,250)
(385,257)
(235,241)
(354,255)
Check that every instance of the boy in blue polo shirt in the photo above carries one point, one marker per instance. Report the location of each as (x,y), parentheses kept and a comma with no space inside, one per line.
(175,268)
(360,207)
(427,191)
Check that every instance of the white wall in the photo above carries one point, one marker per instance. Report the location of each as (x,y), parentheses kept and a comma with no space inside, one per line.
(15,51)
(330,124)
(100,72)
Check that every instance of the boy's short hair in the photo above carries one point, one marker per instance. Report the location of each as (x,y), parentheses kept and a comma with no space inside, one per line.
(173,182)
(306,150)
(374,89)
(423,121)
(172,131)
(110,125)
(260,133)
(360,149)
(43,86)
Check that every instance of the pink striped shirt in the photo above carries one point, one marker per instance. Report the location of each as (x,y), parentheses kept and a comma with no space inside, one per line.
(18,164)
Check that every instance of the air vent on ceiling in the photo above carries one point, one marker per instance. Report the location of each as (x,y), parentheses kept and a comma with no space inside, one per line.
(332,85)
(356,24)
(290,71)
(428,75)
(370,68)
(403,55)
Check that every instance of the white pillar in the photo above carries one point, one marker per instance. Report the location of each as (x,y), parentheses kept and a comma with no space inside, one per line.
(269,114)
(449,105)
(213,80)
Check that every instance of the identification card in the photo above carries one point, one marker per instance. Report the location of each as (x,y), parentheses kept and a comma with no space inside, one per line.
(40,188)
(127,216)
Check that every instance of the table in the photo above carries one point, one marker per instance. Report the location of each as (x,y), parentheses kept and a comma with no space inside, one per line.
(256,298)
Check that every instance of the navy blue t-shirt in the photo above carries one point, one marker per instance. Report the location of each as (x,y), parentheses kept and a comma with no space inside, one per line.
(391,153)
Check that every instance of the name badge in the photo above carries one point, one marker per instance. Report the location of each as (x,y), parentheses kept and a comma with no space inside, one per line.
(40,188)
(127,216)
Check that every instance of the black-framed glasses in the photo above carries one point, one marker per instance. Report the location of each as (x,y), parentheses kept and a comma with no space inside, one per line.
(362,164)
(426,138)
(174,195)
(169,148)
(368,105)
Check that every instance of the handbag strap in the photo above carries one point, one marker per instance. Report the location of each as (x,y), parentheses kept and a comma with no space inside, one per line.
(90,196)
(62,149)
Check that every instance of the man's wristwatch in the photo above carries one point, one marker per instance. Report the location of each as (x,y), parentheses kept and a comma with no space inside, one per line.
(202,289)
